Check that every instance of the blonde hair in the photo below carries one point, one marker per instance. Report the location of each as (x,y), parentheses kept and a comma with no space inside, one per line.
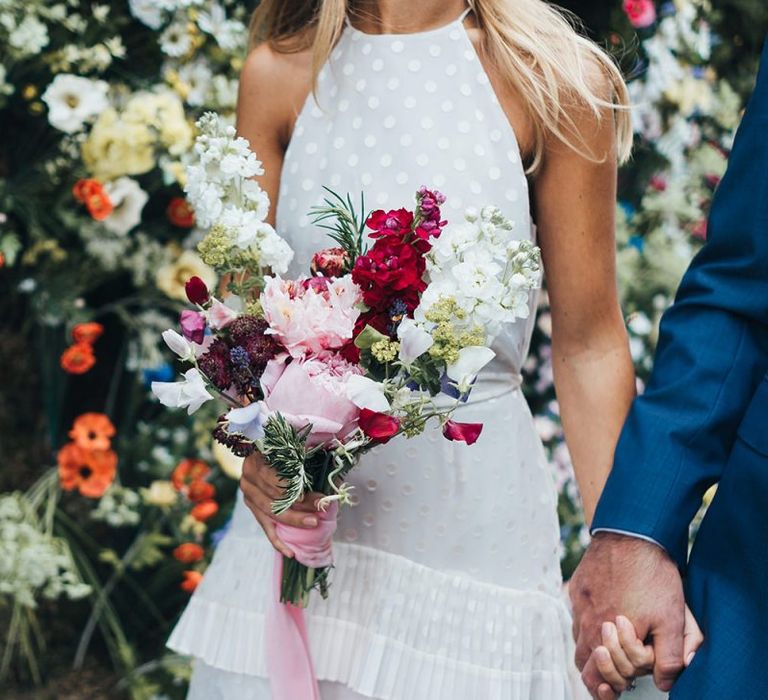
(534,45)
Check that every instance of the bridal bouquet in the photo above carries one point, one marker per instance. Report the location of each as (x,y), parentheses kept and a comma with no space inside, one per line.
(319,369)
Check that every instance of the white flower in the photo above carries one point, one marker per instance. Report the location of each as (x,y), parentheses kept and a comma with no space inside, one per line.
(176,41)
(197,79)
(180,345)
(190,394)
(471,361)
(128,199)
(148,12)
(229,34)
(30,37)
(366,393)
(248,421)
(414,340)
(160,493)
(73,100)
(274,251)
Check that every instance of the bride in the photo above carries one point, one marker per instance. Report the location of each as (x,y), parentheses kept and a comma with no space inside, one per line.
(447,581)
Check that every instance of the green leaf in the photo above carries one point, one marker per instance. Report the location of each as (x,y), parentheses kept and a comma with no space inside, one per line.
(369,337)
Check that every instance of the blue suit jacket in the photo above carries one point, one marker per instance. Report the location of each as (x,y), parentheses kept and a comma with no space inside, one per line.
(704,419)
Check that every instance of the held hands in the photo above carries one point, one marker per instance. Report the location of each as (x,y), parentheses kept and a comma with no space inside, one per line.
(261,486)
(622,657)
(621,575)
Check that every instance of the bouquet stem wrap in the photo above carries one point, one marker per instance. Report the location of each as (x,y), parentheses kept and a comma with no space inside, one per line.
(289,659)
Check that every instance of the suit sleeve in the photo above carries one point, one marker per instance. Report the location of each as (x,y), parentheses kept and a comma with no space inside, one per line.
(712,355)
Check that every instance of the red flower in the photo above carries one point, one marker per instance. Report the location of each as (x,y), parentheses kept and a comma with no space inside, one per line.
(191,580)
(189,553)
(92,431)
(87,332)
(95,198)
(397,222)
(390,268)
(641,13)
(462,432)
(180,213)
(199,491)
(330,262)
(197,292)
(78,358)
(204,510)
(187,471)
(378,426)
(91,472)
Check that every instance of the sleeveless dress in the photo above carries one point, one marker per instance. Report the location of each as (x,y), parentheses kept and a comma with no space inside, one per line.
(447,580)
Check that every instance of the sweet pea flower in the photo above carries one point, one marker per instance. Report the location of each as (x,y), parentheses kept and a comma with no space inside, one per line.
(414,340)
(471,361)
(248,421)
(190,394)
(193,325)
(366,393)
(220,315)
(179,344)
(462,432)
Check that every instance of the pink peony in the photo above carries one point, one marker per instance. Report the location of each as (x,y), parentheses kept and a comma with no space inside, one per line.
(641,13)
(310,316)
(312,391)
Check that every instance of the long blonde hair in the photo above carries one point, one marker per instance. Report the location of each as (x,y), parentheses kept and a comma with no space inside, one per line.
(534,45)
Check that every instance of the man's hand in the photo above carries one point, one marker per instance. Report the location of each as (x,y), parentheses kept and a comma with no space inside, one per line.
(621,575)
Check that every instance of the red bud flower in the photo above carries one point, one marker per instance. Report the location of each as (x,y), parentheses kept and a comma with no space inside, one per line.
(462,432)
(196,291)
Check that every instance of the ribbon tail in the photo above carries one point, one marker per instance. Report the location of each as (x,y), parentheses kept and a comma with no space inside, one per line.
(289,659)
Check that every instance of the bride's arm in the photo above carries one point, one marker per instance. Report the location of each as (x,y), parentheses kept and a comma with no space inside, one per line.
(574,204)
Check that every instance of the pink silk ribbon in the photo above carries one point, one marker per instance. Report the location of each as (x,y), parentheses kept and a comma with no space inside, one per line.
(289,658)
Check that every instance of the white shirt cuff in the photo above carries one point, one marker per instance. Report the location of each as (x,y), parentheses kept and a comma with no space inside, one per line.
(629,534)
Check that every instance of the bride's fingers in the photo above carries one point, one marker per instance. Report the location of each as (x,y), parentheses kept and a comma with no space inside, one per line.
(608,670)
(259,500)
(308,504)
(639,655)
(611,642)
(692,637)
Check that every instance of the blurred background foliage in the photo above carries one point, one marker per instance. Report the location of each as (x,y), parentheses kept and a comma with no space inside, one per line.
(89,578)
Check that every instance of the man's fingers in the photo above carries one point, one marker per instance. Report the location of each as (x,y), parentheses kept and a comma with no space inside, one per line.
(608,670)
(641,656)
(583,652)
(605,692)
(692,637)
(668,648)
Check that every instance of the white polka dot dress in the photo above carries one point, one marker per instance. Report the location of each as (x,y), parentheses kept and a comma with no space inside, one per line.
(447,581)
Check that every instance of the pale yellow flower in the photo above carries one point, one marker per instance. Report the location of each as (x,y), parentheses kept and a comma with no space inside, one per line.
(116,147)
(160,493)
(172,277)
(190,525)
(230,463)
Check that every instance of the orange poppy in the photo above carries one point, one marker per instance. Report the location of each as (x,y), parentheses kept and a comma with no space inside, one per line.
(200,491)
(78,358)
(92,431)
(189,553)
(87,332)
(204,510)
(187,471)
(91,472)
(191,580)
(180,213)
(95,198)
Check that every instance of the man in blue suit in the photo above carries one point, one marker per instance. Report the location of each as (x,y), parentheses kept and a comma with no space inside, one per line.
(702,420)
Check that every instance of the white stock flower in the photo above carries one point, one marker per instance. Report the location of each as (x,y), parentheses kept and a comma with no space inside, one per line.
(190,394)
(229,34)
(274,251)
(73,100)
(128,199)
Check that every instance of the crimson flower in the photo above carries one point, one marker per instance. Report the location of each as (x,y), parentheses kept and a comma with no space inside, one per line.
(389,269)
(378,426)
(462,432)
(398,222)
(197,292)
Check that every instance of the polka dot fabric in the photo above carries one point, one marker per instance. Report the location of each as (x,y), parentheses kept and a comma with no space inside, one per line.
(447,581)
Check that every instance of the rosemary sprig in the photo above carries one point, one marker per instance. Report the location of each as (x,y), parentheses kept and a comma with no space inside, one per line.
(345,224)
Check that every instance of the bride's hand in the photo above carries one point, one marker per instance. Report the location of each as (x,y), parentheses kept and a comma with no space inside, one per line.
(261,486)
(623,657)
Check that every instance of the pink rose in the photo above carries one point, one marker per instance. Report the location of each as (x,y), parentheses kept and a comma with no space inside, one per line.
(641,13)
(312,391)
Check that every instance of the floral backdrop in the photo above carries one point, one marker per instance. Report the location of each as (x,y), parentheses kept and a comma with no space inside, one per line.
(109,506)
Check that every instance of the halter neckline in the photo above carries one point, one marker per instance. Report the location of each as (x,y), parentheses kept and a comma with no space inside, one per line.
(391,35)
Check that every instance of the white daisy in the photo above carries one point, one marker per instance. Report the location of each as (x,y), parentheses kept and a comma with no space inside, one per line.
(128,199)
(73,100)
(176,41)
